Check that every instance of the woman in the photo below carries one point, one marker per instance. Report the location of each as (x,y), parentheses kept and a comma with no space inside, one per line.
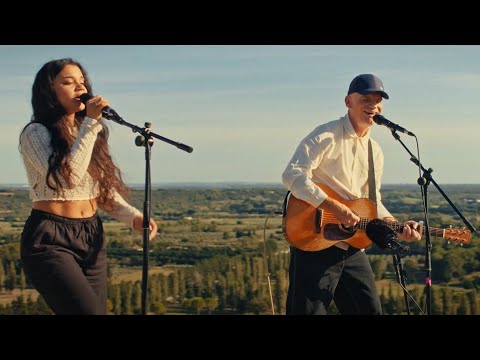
(70,173)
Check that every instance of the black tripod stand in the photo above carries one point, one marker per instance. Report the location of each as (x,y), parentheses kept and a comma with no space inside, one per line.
(401,278)
(425,180)
(145,139)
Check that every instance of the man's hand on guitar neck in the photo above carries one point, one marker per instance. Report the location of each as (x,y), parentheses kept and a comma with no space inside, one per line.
(410,232)
(343,214)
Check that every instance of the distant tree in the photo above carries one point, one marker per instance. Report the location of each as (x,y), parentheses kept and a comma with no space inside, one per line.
(280,293)
(468,284)
(181,284)
(436,300)
(158,308)
(155,289)
(197,304)
(464,306)
(117,300)
(220,287)
(447,265)
(164,287)
(240,288)
(383,299)
(199,282)
(31,306)
(447,299)
(231,294)
(109,272)
(19,307)
(259,270)
(127,298)
(208,286)
(2,276)
(11,278)
(174,286)
(417,294)
(473,300)
(211,304)
(379,265)
(109,305)
(22,280)
(389,306)
(258,306)
(5,310)
(137,298)
(400,305)
(271,247)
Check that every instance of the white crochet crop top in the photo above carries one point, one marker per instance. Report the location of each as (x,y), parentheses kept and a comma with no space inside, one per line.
(35,149)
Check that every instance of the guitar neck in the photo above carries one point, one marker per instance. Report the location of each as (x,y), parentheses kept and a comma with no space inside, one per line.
(398,227)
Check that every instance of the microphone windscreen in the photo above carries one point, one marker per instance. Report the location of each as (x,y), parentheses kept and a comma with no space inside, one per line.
(379,120)
(85,97)
(379,232)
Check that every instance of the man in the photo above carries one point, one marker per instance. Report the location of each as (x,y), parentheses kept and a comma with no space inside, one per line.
(335,154)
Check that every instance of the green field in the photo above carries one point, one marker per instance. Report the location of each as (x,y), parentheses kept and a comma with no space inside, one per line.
(207,234)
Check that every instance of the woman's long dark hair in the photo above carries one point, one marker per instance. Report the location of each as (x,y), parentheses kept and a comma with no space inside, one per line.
(48,111)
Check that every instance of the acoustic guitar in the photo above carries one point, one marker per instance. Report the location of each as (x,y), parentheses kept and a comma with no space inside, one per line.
(311,229)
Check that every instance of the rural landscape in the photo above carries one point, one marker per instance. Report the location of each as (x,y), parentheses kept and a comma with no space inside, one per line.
(220,250)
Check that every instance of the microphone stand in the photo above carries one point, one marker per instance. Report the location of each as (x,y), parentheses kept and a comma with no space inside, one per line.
(401,278)
(145,139)
(424,181)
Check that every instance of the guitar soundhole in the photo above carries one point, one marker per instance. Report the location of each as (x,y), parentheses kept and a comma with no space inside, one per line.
(350,229)
(338,232)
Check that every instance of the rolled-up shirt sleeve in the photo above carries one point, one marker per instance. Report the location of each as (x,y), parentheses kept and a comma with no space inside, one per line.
(298,173)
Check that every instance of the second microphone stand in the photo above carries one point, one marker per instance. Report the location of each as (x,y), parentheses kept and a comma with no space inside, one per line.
(424,181)
(145,139)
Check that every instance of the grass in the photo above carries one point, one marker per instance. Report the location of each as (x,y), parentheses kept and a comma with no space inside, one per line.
(133,274)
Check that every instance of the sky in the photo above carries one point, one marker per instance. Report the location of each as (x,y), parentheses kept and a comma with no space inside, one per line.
(244,109)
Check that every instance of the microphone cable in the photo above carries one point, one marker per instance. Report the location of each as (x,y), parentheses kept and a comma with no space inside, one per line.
(265,257)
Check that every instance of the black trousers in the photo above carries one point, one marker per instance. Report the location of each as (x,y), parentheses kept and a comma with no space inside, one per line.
(344,276)
(65,260)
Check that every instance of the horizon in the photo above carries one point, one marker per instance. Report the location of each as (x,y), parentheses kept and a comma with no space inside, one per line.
(237,183)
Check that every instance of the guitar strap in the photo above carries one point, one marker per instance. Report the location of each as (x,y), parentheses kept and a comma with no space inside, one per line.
(372,192)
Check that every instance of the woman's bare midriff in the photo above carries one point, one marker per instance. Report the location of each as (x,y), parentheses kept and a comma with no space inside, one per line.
(72,209)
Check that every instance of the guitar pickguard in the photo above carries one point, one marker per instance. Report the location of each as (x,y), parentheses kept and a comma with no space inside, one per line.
(336,232)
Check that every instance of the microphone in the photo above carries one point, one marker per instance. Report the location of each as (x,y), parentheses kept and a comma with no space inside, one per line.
(384,237)
(107,111)
(381,120)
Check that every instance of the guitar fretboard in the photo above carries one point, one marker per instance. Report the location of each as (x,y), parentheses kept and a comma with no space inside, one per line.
(398,227)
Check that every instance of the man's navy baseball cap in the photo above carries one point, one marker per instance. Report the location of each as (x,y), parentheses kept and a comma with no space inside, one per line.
(367,84)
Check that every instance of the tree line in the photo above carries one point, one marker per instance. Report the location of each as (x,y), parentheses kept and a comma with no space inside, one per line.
(239,285)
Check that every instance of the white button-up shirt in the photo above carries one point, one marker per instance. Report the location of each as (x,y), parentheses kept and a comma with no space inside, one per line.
(334,155)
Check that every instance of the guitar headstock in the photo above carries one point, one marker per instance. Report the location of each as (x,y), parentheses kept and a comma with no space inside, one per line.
(461,236)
